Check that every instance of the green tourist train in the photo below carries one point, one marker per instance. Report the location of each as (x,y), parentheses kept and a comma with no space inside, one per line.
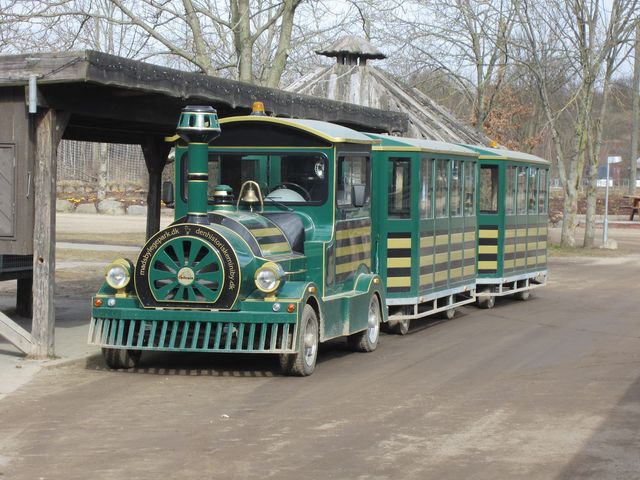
(290,232)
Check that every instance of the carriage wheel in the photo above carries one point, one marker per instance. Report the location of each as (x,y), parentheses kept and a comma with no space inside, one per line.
(523,295)
(399,327)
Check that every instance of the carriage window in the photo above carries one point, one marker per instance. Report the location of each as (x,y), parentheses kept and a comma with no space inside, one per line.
(489,189)
(399,188)
(455,192)
(442,188)
(521,204)
(352,170)
(533,190)
(510,191)
(426,187)
(469,188)
(542,192)
(297,178)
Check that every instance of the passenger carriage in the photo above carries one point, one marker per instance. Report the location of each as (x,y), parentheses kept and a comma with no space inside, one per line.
(426,218)
(513,203)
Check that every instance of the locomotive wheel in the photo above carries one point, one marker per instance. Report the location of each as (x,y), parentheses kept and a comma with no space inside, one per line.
(367,340)
(303,363)
(399,327)
(523,295)
(117,358)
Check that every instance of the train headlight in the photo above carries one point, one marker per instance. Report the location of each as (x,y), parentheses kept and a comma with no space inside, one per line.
(118,274)
(268,277)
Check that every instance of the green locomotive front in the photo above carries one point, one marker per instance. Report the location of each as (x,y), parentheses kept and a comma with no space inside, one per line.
(270,250)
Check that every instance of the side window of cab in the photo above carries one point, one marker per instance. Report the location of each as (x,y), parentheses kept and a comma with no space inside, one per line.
(353,182)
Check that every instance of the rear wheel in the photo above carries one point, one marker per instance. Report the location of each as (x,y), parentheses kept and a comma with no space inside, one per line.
(367,340)
(523,295)
(116,358)
(487,301)
(399,327)
(303,363)
(448,314)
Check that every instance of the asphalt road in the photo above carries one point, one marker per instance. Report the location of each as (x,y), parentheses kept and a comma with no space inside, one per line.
(547,388)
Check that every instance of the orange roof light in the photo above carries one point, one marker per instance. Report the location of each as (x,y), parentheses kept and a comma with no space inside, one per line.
(257,108)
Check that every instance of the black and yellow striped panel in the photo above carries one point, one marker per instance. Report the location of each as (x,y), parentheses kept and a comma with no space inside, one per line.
(488,249)
(262,235)
(353,247)
(532,246)
(456,255)
(398,262)
(441,259)
(541,253)
(426,261)
(469,251)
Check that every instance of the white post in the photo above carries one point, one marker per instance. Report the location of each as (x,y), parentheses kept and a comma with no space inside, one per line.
(605,233)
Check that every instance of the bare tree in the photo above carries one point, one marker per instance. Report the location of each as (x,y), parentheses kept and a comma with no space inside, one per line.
(587,38)
(216,38)
(467,39)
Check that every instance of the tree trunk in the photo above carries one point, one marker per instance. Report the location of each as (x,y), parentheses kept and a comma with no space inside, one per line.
(569,214)
(240,17)
(592,198)
(635,115)
(284,42)
(101,151)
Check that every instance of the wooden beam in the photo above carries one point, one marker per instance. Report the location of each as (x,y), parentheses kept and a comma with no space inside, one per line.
(49,130)
(17,335)
(155,151)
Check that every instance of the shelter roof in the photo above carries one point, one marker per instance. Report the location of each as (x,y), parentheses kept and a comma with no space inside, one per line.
(119,100)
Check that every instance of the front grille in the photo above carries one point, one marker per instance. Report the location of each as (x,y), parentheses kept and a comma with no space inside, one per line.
(193,336)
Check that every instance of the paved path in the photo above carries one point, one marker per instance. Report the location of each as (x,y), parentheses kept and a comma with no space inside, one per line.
(548,388)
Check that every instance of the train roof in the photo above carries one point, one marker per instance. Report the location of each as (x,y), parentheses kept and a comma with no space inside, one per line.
(330,132)
(403,144)
(489,153)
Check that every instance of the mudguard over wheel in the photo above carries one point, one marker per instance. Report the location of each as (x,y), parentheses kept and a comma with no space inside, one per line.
(303,363)
(367,340)
(117,358)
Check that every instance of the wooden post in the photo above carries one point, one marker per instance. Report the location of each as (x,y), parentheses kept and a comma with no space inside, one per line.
(155,151)
(49,130)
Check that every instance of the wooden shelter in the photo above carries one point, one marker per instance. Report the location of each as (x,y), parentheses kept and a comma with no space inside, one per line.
(351,79)
(91,96)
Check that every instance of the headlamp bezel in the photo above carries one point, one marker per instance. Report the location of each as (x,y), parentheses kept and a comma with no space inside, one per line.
(277,271)
(126,267)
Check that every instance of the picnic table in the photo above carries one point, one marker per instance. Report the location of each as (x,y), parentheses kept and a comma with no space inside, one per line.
(635,205)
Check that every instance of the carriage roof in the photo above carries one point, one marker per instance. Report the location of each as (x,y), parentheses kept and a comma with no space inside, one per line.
(330,132)
(487,153)
(392,143)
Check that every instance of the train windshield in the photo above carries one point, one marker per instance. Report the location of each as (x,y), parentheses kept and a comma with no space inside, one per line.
(296,178)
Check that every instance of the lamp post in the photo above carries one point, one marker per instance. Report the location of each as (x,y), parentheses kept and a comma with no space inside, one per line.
(605,236)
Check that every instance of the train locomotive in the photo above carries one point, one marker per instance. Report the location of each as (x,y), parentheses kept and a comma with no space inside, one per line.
(291,232)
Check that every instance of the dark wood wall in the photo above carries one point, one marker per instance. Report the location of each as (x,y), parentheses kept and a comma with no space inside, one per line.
(16,203)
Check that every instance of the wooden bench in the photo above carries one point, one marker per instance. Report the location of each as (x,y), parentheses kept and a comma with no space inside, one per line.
(635,205)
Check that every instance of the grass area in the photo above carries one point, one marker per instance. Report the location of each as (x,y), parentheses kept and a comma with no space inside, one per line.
(555,250)
(135,239)
(80,281)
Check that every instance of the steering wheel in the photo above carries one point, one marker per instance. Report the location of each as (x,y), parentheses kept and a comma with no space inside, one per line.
(299,188)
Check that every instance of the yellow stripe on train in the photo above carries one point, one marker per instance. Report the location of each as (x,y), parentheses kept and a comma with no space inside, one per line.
(353,232)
